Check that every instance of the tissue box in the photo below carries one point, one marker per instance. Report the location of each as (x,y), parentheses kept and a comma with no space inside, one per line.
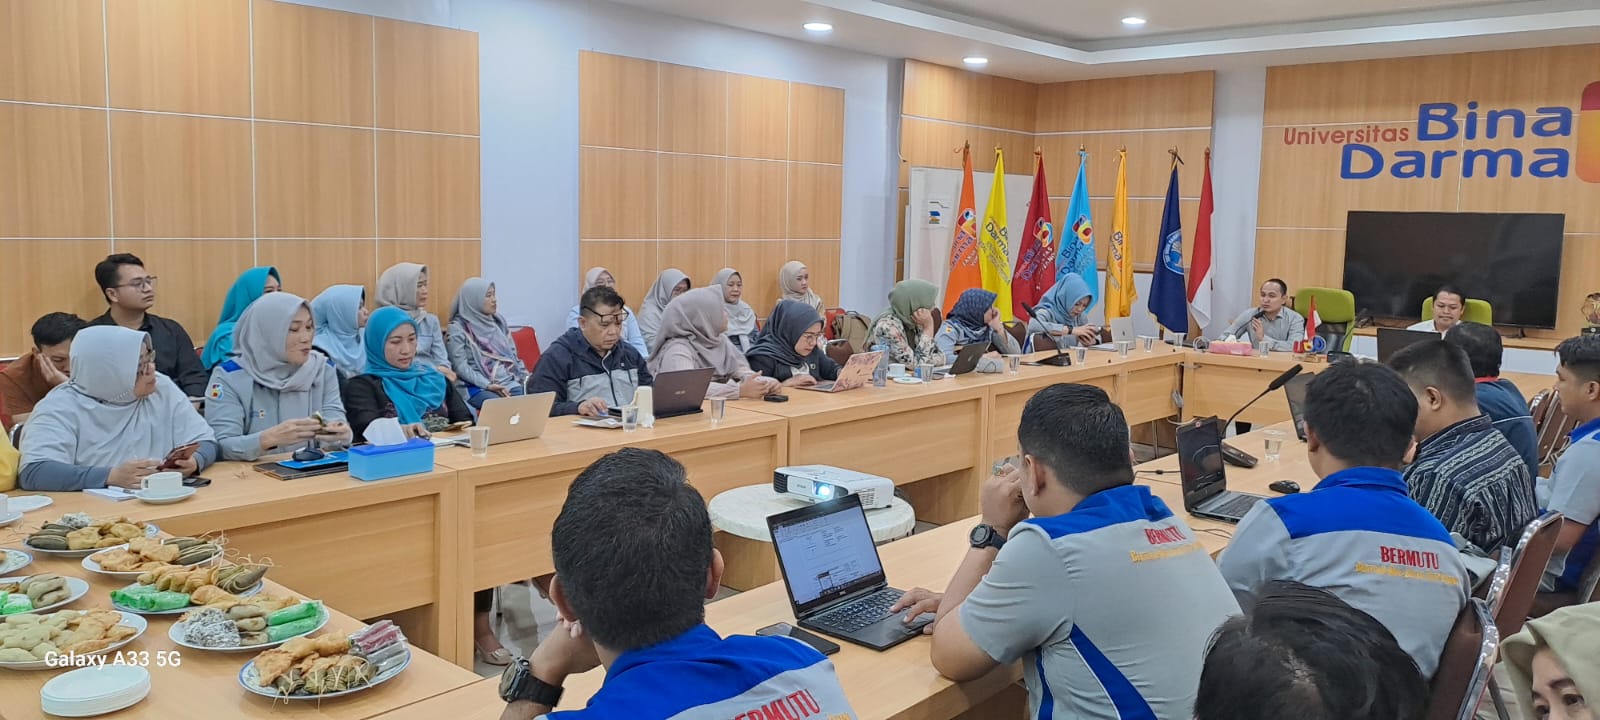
(1231,348)
(381,462)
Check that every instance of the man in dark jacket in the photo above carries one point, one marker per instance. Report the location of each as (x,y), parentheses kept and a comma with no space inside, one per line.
(1498,397)
(588,368)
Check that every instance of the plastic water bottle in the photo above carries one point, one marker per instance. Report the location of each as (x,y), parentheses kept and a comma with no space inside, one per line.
(880,374)
(644,399)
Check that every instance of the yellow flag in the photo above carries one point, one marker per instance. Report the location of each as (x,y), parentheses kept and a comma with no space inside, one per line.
(1120,292)
(994,249)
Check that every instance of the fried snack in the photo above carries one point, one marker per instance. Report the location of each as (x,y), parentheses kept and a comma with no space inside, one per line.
(119,560)
(296,649)
(331,644)
(211,595)
(65,631)
(85,539)
(272,664)
(154,549)
(125,530)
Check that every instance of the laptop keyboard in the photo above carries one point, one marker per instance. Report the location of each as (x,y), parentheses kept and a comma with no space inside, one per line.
(1236,506)
(862,612)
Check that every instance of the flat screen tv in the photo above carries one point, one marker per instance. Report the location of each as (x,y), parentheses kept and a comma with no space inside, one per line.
(1395,260)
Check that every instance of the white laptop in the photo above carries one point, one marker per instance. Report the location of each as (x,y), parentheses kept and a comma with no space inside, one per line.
(857,371)
(521,417)
(1121,330)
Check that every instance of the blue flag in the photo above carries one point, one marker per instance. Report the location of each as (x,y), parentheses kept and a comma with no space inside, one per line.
(1169,300)
(1077,236)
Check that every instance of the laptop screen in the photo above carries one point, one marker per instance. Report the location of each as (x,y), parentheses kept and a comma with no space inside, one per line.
(825,552)
(1200,461)
(1391,340)
(1295,391)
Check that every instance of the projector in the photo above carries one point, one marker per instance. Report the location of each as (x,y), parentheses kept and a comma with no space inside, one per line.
(820,483)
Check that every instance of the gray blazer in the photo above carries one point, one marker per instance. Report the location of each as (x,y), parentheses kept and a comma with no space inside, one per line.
(238,409)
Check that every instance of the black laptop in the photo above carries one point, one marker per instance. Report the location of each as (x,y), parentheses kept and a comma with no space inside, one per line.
(1393,340)
(966,360)
(677,392)
(834,577)
(1205,482)
(1295,391)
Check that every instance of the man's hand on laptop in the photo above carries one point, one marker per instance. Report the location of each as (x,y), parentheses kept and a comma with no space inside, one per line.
(915,603)
(593,407)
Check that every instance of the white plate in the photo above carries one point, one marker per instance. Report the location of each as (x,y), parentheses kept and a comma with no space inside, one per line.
(75,589)
(134,621)
(179,496)
(94,567)
(150,530)
(602,423)
(247,680)
(13,560)
(29,503)
(908,380)
(176,634)
(91,691)
(11,517)
(252,590)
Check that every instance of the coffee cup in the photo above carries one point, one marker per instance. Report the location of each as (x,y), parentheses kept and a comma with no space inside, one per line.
(161,484)
(897,370)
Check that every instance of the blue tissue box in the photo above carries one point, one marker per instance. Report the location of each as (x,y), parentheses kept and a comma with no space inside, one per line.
(381,462)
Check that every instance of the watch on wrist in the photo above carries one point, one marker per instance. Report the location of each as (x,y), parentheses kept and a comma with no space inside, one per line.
(518,683)
(985,536)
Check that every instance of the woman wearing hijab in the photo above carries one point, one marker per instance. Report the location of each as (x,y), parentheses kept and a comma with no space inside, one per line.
(481,350)
(1555,664)
(113,422)
(250,286)
(693,335)
(398,383)
(405,286)
(669,284)
(265,399)
(794,278)
(741,317)
(790,350)
(973,319)
(1060,313)
(907,328)
(341,312)
(630,325)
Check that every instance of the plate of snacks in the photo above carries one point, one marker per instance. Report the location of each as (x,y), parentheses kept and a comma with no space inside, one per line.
(38,593)
(13,560)
(329,666)
(141,555)
(176,589)
(78,535)
(246,627)
(29,642)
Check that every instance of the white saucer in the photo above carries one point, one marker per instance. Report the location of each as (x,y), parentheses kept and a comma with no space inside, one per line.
(95,690)
(29,503)
(179,496)
(906,380)
(11,517)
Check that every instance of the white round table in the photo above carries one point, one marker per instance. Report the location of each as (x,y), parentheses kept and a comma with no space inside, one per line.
(746,544)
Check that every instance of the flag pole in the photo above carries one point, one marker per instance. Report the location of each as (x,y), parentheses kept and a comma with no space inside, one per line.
(1176,158)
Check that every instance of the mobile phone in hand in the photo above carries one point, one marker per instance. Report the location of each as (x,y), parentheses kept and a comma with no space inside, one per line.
(178,455)
(821,645)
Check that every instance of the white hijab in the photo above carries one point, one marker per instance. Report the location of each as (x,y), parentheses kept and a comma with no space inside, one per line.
(788,276)
(741,317)
(261,343)
(94,420)
(656,301)
(397,286)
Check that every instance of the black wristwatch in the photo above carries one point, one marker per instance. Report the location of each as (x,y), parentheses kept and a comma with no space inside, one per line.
(518,683)
(985,536)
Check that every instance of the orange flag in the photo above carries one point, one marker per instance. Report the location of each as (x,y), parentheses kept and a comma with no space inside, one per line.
(964,272)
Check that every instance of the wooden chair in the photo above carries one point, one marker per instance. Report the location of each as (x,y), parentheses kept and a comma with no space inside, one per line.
(1019,332)
(1512,601)
(838,351)
(1466,666)
(1551,425)
(1043,342)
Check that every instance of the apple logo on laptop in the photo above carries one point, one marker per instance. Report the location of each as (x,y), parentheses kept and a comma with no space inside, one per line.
(515,419)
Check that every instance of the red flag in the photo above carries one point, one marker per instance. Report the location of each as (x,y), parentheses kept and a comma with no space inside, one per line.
(964,273)
(1200,260)
(1312,320)
(1036,258)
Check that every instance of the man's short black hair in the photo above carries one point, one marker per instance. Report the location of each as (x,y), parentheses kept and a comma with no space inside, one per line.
(107,271)
(1451,290)
(1580,355)
(1303,653)
(1077,432)
(632,547)
(600,295)
(56,328)
(1481,343)
(1283,287)
(1439,364)
(1363,412)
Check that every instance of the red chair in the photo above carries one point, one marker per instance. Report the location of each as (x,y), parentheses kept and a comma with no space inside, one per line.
(527,342)
(827,321)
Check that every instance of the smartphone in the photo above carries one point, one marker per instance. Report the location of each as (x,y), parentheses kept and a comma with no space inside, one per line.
(196,482)
(821,645)
(178,455)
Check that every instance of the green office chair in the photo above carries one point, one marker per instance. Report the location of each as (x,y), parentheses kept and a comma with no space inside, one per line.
(1337,308)
(1478,311)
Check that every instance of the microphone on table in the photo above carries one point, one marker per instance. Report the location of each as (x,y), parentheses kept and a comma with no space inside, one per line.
(1234,455)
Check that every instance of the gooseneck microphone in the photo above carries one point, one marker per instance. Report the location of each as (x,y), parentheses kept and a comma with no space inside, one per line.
(1235,455)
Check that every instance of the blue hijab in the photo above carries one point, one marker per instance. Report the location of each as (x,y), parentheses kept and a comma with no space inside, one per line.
(966,316)
(338,312)
(415,391)
(250,286)
(1058,301)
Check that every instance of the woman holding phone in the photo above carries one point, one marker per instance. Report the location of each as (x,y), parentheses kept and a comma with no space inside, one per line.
(113,421)
(276,393)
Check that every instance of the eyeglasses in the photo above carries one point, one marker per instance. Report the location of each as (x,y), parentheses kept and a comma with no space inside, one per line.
(812,336)
(141,283)
(609,321)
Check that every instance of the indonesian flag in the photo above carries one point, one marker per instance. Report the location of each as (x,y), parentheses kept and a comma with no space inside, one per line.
(1200,261)
(1313,320)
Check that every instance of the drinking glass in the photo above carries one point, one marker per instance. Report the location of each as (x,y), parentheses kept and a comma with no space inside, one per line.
(719,409)
(1274,444)
(478,438)
(1013,364)
(630,418)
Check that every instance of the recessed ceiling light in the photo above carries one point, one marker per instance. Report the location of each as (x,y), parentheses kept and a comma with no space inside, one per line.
(975,60)
(818,27)
(1133,21)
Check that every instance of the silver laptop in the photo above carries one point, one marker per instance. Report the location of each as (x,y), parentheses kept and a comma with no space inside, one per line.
(1121,330)
(521,417)
(1205,481)
(857,371)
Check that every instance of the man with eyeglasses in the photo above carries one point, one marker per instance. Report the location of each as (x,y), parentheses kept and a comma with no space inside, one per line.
(130,291)
(588,368)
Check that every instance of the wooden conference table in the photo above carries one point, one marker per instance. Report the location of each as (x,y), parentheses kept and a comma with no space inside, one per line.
(901,684)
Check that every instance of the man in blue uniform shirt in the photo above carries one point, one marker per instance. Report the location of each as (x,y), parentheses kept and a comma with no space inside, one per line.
(1359,534)
(1574,486)
(634,567)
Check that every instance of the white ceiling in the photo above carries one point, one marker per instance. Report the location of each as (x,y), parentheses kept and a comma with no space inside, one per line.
(1054,40)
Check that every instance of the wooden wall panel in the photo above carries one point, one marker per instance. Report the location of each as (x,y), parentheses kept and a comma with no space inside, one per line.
(309,266)
(935,91)
(694,110)
(699,259)
(757,209)
(312,65)
(758,263)
(450,263)
(694,197)
(1311,194)
(55,51)
(190,56)
(313,181)
(427,78)
(816,123)
(428,186)
(815,194)
(617,100)
(53,172)
(617,192)
(1505,193)
(176,176)
(28,295)
(1301,257)
(758,117)
(634,263)
(1153,101)
(822,259)
(195,277)
(1356,92)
